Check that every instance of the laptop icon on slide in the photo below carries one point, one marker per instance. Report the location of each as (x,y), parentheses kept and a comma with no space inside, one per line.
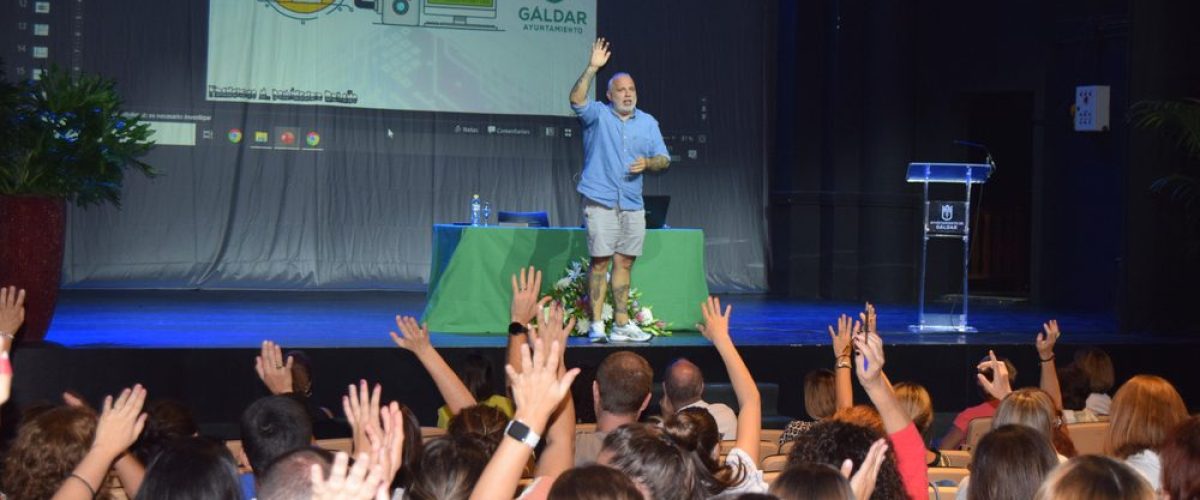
(656,211)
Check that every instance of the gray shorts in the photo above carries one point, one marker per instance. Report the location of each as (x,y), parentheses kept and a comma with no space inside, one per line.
(613,231)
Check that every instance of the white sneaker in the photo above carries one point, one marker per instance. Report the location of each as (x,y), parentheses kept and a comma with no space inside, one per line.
(629,332)
(596,333)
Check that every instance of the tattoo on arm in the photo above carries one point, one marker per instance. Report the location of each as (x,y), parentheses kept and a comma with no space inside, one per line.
(579,91)
(657,163)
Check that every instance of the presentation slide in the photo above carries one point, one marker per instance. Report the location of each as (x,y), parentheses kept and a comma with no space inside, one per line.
(474,56)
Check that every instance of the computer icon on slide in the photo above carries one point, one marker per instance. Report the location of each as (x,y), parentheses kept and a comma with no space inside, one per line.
(459,12)
(453,14)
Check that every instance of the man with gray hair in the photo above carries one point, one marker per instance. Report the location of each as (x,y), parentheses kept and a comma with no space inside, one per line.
(620,143)
(683,386)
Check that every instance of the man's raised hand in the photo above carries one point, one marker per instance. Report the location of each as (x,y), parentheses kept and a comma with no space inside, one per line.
(538,389)
(716,324)
(600,54)
(272,370)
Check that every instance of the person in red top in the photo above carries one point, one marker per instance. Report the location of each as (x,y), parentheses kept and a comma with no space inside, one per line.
(905,440)
(958,432)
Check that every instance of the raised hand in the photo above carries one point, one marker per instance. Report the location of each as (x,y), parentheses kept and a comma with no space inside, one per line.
(12,314)
(552,329)
(869,360)
(600,54)
(843,338)
(272,370)
(387,449)
(862,483)
(525,301)
(361,406)
(716,324)
(364,481)
(869,319)
(538,389)
(120,422)
(415,337)
(999,386)
(1045,341)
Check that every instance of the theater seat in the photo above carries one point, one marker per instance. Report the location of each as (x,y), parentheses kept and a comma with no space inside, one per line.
(1088,437)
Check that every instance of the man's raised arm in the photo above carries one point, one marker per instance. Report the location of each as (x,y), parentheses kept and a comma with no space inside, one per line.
(579,93)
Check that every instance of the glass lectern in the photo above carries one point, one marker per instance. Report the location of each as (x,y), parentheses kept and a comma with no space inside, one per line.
(946,219)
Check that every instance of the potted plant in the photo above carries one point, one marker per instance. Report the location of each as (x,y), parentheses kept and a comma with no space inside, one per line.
(1179,120)
(66,139)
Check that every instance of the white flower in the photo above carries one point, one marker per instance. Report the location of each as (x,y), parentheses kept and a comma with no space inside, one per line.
(582,327)
(607,315)
(562,284)
(645,317)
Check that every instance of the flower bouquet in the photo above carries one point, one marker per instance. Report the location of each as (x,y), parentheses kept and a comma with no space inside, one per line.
(571,292)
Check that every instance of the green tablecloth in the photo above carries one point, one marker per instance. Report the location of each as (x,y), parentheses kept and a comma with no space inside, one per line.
(470,287)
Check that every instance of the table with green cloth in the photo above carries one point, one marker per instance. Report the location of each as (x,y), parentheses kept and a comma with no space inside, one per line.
(470,285)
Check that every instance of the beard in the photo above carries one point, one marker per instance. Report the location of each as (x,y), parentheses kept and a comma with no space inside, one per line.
(623,108)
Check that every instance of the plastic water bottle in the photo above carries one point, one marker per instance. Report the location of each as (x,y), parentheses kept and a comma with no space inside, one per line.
(476,210)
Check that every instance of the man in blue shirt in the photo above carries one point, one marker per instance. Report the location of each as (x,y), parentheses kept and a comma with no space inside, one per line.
(620,142)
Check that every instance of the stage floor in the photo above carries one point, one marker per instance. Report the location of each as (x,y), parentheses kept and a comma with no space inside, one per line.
(306,319)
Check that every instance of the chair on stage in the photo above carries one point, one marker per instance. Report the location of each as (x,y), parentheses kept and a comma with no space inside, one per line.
(525,219)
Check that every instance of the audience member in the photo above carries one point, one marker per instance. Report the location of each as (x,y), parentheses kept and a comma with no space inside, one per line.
(595,482)
(289,476)
(191,468)
(270,427)
(819,402)
(1097,369)
(121,421)
(1180,456)
(812,481)
(683,386)
(915,401)
(620,394)
(1094,477)
(166,420)
(47,449)
(478,375)
(958,432)
(833,442)
(1144,410)
(1034,409)
(1008,464)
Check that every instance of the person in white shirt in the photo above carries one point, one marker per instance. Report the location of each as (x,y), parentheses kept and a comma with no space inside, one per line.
(683,386)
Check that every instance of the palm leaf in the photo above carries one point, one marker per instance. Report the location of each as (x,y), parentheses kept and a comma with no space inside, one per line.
(1180,119)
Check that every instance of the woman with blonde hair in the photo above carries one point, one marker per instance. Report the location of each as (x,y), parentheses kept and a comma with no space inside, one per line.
(1144,410)
(1094,477)
(1034,408)
(915,401)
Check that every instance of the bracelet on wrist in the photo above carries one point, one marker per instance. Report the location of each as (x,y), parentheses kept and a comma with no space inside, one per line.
(1047,360)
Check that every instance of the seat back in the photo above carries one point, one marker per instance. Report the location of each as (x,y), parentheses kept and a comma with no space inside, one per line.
(1089,437)
(976,428)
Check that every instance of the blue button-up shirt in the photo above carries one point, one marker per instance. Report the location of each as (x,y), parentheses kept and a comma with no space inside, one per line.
(610,145)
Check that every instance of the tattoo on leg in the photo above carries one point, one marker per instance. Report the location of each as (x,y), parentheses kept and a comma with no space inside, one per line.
(621,298)
(597,285)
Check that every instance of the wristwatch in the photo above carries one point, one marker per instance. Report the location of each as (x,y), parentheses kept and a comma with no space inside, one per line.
(521,432)
(516,328)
